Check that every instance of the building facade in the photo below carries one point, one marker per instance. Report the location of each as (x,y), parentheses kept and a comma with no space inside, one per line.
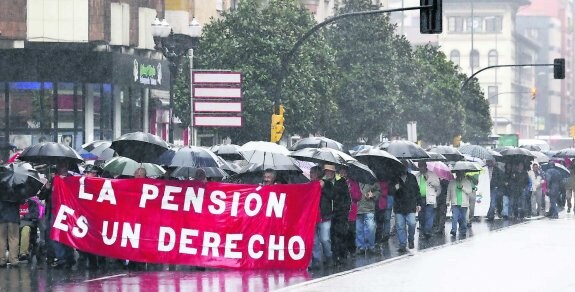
(74,71)
(551,23)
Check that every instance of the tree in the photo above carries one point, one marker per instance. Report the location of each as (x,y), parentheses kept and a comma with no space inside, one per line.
(368,55)
(437,104)
(478,123)
(182,93)
(252,40)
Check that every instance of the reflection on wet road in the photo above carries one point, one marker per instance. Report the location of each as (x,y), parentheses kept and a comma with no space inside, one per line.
(113,277)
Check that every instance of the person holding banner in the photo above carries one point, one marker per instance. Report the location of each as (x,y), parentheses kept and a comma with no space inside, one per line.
(269,177)
(63,254)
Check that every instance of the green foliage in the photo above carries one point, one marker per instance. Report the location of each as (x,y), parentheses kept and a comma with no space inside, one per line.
(252,40)
(478,121)
(182,93)
(368,56)
(436,102)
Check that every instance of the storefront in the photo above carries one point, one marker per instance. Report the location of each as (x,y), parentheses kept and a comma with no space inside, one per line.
(74,96)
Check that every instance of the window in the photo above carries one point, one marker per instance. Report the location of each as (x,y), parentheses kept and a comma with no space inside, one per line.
(455,57)
(474,59)
(492,58)
(451,24)
(493,24)
(455,24)
(492,92)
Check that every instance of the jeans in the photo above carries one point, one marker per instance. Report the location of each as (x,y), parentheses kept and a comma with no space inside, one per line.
(400,221)
(365,231)
(322,241)
(459,215)
(553,200)
(426,217)
(507,206)
(492,204)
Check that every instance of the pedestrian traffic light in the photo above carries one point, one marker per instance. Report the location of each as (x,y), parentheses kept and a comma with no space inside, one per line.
(572,131)
(559,68)
(430,18)
(533,92)
(277,128)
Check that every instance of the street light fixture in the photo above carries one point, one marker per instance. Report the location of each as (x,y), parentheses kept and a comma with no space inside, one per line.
(174,47)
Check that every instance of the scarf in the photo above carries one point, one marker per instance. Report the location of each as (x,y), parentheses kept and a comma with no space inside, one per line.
(459,193)
(422,186)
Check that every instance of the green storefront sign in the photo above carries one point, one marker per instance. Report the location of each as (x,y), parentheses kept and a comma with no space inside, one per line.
(509,140)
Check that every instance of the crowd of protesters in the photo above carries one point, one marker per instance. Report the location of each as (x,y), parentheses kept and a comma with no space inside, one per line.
(355,217)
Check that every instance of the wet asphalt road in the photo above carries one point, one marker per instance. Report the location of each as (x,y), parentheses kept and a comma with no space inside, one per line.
(113,277)
(528,257)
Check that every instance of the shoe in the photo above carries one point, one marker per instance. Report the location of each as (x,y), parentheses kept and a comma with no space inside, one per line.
(411,245)
(3,265)
(58,264)
(402,249)
(427,235)
(329,262)
(490,219)
(469,224)
(373,251)
(23,258)
(13,264)
(360,252)
(453,233)
(568,210)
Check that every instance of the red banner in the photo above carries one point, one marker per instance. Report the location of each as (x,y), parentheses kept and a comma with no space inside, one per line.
(187,222)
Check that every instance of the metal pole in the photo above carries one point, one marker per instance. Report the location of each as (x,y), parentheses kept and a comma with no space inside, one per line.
(402,15)
(173,70)
(472,34)
(192,128)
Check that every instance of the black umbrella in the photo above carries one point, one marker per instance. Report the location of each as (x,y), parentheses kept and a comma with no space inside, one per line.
(187,172)
(139,146)
(50,153)
(361,172)
(18,181)
(317,142)
(227,151)
(192,156)
(477,152)
(322,155)
(452,154)
(517,153)
(433,157)
(565,153)
(101,149)
(382,163)
(404,149)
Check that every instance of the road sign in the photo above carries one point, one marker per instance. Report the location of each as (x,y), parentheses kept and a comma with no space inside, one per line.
(217,77)
(217,92)
(202,106)
(216,96)
(217,121)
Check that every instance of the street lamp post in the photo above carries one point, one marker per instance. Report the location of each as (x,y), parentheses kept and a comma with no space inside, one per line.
(174,46)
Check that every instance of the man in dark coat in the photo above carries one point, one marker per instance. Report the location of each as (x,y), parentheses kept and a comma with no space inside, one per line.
(496,180)
(340,222)
(405,206)
(553,178)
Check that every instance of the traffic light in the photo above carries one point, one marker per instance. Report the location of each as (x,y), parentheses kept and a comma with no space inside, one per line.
(430,19)
(277,128)
(559,68)
(533,92)
(457,141)
(572,131)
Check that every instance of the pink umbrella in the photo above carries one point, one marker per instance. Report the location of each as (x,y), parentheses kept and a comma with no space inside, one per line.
(441,169)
